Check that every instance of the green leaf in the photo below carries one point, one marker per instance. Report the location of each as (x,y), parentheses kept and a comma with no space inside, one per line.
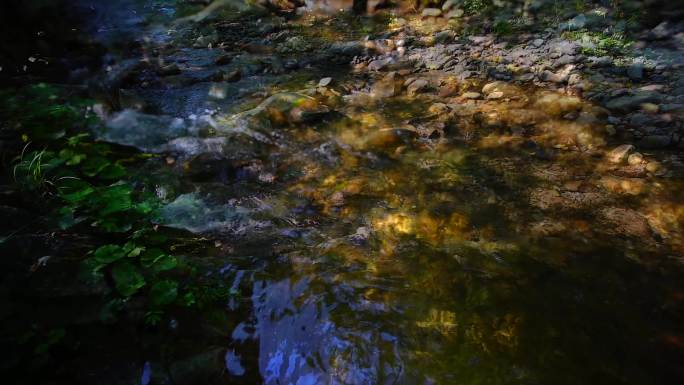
(113,171)
(167,262)
(153,317)
(78,195)
(188,299)
(107,254)
(127,278)
(76,139)
(164,292)
(114,225)
(115,199)
(71,157)
(151,256)
(93,166)
(90,271)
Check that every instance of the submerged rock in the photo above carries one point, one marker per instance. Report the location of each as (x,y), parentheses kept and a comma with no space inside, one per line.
(199,214)
(388,86)
(620,153)
(144,131)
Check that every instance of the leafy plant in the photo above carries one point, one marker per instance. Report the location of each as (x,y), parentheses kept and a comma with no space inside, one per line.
(88,190)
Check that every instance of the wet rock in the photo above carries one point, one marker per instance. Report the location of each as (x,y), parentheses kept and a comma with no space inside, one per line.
(631,102)
(387,87)
(495,95)
(655,141)
(223,59)
(198,214)
(577,22)
(472,95)
(146,132)
(218,91)
(549,76)
(431,12)
(635,159)
(168,70)
(537,43)
(448,4)
(381,64)
(564,47)
(636,71)
(191,145)
(388,138)
(445,37)
(625,222)
(662,31)
(653,166)
(325,82)
(556,104)
(630,186)
(232,76)
(209,166)
(291,107)
(449,90)
(417,86)
(620,153)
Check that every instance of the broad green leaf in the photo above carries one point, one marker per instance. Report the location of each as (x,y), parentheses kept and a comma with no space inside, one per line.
(151,256)
(127,278)
(90,271)
(78,195)
(164,292)
(115,198)
(93,166)
(107,254)
(113,171)
(188,299)
(167,262)
(114,225)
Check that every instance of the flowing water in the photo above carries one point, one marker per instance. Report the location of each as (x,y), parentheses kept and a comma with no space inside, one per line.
(370,241)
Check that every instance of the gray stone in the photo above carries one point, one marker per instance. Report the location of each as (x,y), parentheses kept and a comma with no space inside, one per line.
(538,42)
(454,13)
(577,22)
(449,4)
(417,86)
(631,102)
(431,12)
(636,71)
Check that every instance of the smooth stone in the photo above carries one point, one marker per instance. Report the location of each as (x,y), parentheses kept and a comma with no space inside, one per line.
(472,95)
(454,13)
(418,85)
(636,71)
(495,95)
(635,159)
(431,12)
(449,4)
(620,153)
(325,82)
